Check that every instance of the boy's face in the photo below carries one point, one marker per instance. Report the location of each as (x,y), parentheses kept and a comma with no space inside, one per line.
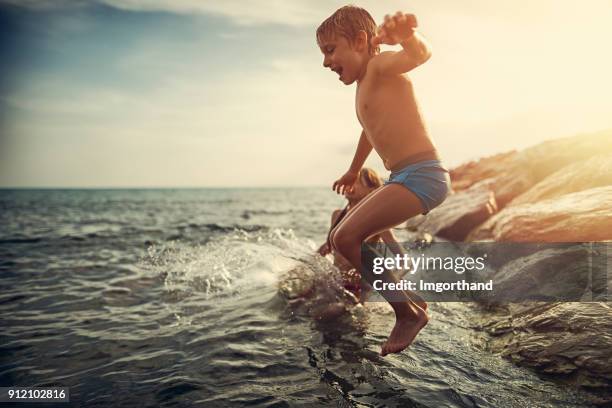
(343,58)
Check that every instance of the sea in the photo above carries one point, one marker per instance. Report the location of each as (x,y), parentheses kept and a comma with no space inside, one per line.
(170,298)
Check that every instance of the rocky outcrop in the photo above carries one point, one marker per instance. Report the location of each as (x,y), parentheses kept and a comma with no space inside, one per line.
(574,271)
(473,172)
(581,216)
(557,191)
(570,340)
(582,175)
(486,188)
(516,172)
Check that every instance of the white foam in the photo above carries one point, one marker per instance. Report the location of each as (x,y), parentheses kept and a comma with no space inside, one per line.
(230,264)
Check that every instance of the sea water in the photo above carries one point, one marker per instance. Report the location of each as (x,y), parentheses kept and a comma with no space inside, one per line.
(170,297)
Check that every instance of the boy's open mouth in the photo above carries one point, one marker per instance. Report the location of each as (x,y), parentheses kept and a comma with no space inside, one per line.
(338,70)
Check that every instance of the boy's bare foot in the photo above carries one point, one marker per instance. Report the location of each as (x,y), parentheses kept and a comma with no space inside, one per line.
(404,332)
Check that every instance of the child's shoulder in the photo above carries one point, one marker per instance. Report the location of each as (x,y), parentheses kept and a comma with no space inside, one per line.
(382,55)
(378,61)
(378,58)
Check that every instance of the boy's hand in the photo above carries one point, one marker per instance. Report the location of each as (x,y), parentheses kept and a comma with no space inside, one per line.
(345,183)
(395,29)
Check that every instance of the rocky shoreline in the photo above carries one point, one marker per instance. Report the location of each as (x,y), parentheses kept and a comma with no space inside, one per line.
(557,191)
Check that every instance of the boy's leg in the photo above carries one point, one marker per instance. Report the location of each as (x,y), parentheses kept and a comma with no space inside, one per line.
(383,209)
(368,277)
(359,204)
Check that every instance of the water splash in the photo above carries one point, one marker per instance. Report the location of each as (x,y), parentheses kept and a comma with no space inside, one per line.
(228,265)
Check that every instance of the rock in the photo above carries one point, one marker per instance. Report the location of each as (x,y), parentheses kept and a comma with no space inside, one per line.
(594,172)
(513,183)
(557,272)
(516,172)
(576,217)
(559,191)
(573,340)
(548,157)
(459,213)
(509,175)
(539,271)
(468,174)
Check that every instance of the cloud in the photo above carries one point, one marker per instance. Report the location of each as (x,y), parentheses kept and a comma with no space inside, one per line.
(311,12)
(179,98)
(240,11)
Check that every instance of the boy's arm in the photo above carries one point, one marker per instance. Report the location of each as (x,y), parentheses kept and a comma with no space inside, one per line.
(400,29)
(346,182)
(361,154)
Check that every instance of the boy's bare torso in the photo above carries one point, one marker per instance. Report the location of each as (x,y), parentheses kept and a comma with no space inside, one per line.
(389,114)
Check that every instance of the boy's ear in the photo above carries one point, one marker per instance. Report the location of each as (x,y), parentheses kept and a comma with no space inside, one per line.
(361,41)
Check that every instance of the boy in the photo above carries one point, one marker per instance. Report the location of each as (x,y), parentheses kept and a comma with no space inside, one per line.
(392,125)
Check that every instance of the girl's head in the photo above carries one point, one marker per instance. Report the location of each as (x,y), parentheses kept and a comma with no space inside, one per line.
(367,181)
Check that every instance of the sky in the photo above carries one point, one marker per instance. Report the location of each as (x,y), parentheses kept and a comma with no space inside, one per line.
(171,93)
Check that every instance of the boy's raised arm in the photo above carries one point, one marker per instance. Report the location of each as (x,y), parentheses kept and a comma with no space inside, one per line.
(361,154)
(400,29)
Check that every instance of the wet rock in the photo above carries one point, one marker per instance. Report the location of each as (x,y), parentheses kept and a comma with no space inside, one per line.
(557,273)
(556,191)
(459,214)
(581,216)
(572,340)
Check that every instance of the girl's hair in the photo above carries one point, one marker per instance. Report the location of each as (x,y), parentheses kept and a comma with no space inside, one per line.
(369,178)
(347,21)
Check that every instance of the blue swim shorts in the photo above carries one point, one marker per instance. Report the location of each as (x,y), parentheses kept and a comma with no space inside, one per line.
(429,180)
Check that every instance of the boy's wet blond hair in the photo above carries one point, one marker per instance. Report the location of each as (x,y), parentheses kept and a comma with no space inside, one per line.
(347,21)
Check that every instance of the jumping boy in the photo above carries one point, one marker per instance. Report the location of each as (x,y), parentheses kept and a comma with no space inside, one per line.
(392,125)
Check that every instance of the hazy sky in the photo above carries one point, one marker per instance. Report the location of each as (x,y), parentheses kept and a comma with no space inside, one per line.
(233,93)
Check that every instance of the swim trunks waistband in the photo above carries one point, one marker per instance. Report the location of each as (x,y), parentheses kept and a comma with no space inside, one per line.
(415,158)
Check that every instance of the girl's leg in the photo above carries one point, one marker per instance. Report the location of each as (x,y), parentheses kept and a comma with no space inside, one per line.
(383,209)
